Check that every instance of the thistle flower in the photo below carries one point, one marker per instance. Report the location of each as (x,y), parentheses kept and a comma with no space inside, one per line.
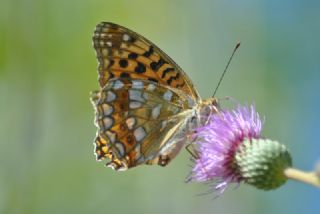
(230,149)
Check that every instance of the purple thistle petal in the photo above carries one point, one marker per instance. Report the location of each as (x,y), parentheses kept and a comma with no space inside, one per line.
(217,142)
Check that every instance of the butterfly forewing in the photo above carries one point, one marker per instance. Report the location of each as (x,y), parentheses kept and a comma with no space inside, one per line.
(124,53)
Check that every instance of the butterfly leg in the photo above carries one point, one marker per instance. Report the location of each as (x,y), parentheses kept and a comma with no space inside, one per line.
(192,151)
(190,147)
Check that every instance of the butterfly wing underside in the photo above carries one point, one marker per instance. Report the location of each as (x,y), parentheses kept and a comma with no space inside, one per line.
(130,131)
(136,119)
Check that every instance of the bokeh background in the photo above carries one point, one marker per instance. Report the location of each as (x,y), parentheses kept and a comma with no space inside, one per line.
(48,68)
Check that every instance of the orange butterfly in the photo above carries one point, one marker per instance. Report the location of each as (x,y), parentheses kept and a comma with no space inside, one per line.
(146,105)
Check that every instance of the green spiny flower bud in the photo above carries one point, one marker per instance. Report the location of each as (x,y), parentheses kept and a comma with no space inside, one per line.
(261,163)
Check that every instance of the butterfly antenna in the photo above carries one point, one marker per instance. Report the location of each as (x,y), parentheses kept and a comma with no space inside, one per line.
(225,70)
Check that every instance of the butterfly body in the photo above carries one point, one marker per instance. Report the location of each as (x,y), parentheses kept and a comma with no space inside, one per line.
(146,106)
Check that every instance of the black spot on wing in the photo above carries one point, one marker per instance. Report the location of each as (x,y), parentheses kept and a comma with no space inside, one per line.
(132,55)
(149,52)
(167,70)
(111,62)
(123,63)
(156,65)
(169,81)
(140,68)
(124,75)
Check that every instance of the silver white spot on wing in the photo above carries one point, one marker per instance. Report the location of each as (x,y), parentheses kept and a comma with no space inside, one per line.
(104,51)
(109,43)
(107,122)
(118,84)
(111,136)
(167,95)
(151,87)
(120,148)
(139,133)
(126,37)
(137,84)
(131,121)
(163,124)
(104,27)
(111,96)
(135,95)
(107,109)
(135,104)
(156,111)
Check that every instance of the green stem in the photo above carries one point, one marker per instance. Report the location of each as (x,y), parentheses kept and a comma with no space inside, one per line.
(305,177)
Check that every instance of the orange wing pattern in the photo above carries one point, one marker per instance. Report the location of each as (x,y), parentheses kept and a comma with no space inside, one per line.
(124,53)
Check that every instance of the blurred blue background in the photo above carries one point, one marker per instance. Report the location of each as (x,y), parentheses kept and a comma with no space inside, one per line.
(48,68)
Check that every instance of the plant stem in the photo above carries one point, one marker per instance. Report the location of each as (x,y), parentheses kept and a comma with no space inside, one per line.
(305,177)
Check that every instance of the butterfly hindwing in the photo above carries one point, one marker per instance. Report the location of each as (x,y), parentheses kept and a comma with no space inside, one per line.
(136,119)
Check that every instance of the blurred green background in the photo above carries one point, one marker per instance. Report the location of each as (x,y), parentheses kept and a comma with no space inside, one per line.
(48,68)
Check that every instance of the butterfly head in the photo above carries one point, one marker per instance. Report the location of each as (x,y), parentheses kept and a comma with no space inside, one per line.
(211,102)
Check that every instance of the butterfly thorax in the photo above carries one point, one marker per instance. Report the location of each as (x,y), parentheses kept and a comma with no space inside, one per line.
(206,108)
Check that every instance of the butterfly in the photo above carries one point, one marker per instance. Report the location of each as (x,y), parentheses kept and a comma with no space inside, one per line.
(147,107)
